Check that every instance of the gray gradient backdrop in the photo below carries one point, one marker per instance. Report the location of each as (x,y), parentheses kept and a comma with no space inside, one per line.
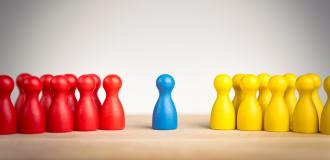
(138,40)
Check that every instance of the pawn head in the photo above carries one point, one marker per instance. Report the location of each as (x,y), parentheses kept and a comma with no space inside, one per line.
(20,79)
(222,82)
(249,82)
(97,80)
(326,85)
(305,83)
(45,80)
(291,80)
(86,84)
(263,80)
(6,84)
(32,84)
(237,81)
(277,84)
(60,84)
(165,82)
(112,82)
(317,80)
(72,79)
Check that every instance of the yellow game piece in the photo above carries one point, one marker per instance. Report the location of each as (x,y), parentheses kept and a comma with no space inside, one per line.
(223,113)
(289,95)
(325,117)
(238,91)
(304,118)
(315,94)
(276,115)
(264,92)
(249,115)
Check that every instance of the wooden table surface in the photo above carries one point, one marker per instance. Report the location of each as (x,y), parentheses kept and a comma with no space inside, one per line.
(192,140)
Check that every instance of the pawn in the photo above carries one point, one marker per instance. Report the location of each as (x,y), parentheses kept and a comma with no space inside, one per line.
(21,95)
(7,111)
(315,94)
(238,91)
(223,112)
(276,115)
(304,118)
(325,117)
(47,95)
(249,115)
(72,100)
(60,114)
(95,96)
(112,116)
(264,92)
(32,118)
(289,95)
(164,116)
(86,116)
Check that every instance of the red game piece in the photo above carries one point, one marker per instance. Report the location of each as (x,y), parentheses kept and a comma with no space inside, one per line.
(21,95)
(96,99)
(86,115)
(73,85)
(112,116)
(60,114)
(7,111)
(47,94)
(32,117)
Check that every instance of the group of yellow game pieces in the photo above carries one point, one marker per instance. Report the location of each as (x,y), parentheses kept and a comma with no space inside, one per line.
(277,109)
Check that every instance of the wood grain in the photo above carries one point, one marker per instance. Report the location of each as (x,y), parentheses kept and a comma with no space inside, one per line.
(192,140)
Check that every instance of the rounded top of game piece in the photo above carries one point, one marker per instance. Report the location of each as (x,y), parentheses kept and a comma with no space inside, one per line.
(20,79)
(86,83)
(277,83)
(222,82)
(305,83)
(326,85)
(97,80)
(291,80)
(165,82)
(6,84)
(112,82)
(249,82)
(316,78)
(72,79)
(237,81)
(32,84)
(60,83)
(263,80)
(45,80)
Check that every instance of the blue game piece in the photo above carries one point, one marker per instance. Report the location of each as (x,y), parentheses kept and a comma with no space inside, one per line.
(164,116)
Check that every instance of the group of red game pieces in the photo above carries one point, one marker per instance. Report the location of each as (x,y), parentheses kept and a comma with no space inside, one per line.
(58,110)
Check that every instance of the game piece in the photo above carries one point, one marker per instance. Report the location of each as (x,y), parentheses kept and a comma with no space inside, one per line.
(60,114)
(21,95)
(223,114)
(238,91)
(72,100)
(289,95)
(47,94)
(325,117)
(315,94)
(276,115)
(32,117)
(164,116)
(95,96)
(304,118)
(86,116)
(7,110)
(112,116)
(264,92)
(249,116)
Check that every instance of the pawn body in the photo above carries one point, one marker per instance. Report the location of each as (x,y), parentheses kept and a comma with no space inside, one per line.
(72,100)
(325,117)
(238,91)
(112,116)
(32,118)
(21,95)
(315,94)
(7,111)
(264,92)
(164,115)
(95,96)
(47,95)
(223,115)
(86,114)
(289,95)
(305,118)
(60,115)
(276,115)
(249,116)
